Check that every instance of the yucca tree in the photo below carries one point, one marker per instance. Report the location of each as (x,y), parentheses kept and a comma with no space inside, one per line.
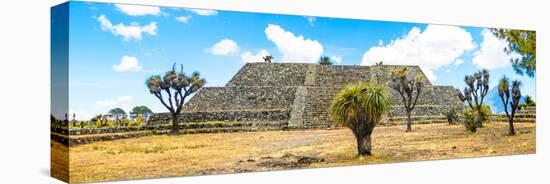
(360,107)
(177,86)
(409,90)
(477,87)
(268,58)
(325,60)
(504,93)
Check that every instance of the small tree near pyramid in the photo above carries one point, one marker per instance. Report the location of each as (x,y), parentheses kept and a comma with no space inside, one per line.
(504,93)
(172,89)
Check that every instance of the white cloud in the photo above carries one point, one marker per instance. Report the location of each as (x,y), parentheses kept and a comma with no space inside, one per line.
(107,103)
(123,102)
(128,32)
(431,49)
(294,48)
(458,62)
(248,57)
(80,114)
(336,59)
(138,10)
(119,101)
(127,64)
(491,53)
(224,47)
(183,19)
(125,98)
(203,12)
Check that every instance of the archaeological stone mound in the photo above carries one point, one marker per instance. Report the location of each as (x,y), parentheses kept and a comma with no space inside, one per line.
(296,95)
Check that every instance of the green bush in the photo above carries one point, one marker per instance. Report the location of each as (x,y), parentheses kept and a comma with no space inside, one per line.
(135,123)
(472,120)
(529,102)
(452,116)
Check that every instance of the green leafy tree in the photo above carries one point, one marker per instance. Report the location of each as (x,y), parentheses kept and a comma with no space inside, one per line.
(477,87)
(409,90)
(95,118)
(360,107)
(325,60)
(452,116)
(117,114)
(504,93)
(144,111)
(176,87)
(529,101)
(523,43)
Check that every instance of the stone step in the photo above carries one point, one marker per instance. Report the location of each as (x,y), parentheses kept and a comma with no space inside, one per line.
(534,116)
(516,120)
(86,139)
(232,124)
(220,124)
(230,129)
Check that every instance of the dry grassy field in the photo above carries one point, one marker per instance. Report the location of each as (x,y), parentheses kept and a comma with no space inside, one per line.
(199,154)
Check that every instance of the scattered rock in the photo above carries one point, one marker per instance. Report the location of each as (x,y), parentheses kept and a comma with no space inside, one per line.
(251,160)
(289,161)
(309,160)
(454,147)
(242,170)
(276,164)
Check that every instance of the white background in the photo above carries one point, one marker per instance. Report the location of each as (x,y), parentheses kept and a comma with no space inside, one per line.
(24,90)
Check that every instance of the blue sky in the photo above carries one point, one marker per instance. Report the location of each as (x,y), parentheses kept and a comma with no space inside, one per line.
(114,48)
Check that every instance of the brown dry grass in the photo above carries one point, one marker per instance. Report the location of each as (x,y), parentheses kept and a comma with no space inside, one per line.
(197,154)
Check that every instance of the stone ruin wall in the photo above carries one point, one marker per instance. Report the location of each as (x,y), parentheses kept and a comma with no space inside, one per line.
(300,94)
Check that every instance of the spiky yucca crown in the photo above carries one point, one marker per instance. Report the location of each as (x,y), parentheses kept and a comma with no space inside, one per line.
(367,101)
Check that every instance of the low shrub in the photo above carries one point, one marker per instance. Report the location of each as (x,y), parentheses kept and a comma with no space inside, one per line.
(452,116)
(472,120)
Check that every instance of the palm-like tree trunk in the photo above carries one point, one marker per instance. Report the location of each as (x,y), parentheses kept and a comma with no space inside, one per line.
(364,145)
(409,122)
(175,125)
(511,130)
(481,117)
(363,134)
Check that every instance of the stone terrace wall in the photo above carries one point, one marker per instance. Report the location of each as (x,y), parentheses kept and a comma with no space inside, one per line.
(205,116)
(444,97)
(241,98)
(342,75)
(270,74)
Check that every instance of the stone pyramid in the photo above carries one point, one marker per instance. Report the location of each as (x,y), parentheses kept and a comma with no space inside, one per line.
(298,95)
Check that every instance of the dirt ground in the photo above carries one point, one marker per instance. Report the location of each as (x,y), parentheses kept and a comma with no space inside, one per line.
(199,154)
